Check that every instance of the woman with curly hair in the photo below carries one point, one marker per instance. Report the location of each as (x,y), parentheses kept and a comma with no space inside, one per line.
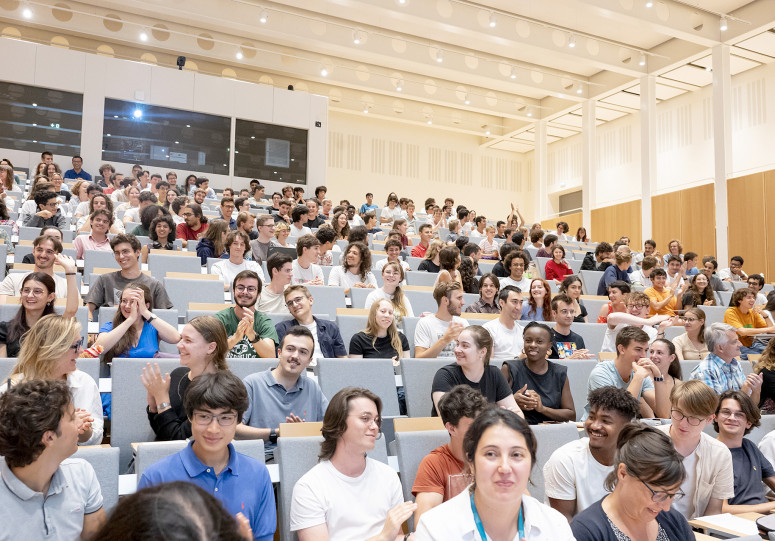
(355,270)
(539,302)
(467,274)
(340,225)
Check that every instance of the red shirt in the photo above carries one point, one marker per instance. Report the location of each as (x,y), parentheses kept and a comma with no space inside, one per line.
(419,250)
(556,272)
(186,233)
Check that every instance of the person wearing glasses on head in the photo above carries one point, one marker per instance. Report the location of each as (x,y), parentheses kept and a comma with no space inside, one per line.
(347,495)
(214,404)
(709,468)
(49,351)
(647,480)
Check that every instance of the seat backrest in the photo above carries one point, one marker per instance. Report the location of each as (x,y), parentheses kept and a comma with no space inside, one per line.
(421,278)
(104,460)
(377,375)
(422,301)
(160,264)
(327,299)
(713,314)
(578,376)
(242,368)
(687,367)
(97,258)
(148,453)
(411,448)
(541,264)
(417,376)
(549,438)
(129,421)
(180,289)
(590,280)
(350,325)
(592,333)
(593,307)
(410,324)
(358,296)
(414,262)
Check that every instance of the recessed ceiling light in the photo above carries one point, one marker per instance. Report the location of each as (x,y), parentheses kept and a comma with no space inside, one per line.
(572,41)
(723,24)
(493,22)
(642,59)
(263,17)
(143,36)
(239,55)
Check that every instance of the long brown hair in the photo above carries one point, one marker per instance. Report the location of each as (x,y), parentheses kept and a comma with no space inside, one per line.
(547,307)
(124,343)
(215,233)
(698,299)
(335,419)
(365,266)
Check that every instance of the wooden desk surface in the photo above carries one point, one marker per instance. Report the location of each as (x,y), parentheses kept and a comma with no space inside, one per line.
(706,526)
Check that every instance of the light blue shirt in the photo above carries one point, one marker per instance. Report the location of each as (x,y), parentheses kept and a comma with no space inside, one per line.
(605,374)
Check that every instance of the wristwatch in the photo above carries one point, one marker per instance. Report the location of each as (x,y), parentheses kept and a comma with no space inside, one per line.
(273,436)
(162,406)
(151,318)
(254,341)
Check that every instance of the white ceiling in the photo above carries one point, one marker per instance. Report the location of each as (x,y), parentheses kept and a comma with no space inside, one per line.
(491,78)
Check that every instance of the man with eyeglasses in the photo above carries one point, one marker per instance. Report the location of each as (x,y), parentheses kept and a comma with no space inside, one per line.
(251,333)
(260,246)
(756,283)
(194,223)
(47,252)
(638,305)
(708,463)
(214,404)
(283,394)
(48,213)
(736,416)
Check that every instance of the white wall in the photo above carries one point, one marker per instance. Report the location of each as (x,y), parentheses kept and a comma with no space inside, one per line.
(98,77)
(369,154)
(684,142)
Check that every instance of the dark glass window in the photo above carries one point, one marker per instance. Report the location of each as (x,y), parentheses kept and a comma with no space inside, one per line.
(35,119)
(270,152)
(165,137)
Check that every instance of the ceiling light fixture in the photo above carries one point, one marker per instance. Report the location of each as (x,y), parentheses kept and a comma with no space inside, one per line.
(466,100)
(356,37)
(263,17)
(239,55)
(399,85)
(143,35)
(323,72)
(430,121)
(27,12)
(572,41)
(493,22)
(579,90)
(439,56)
(642,61)
(723,24)
(365,109)
(649,4)
(513,74)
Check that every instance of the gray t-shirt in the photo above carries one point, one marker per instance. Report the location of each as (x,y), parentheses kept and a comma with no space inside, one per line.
(106,290)
(270,403)
(25,514)
(259,250)
(605,374)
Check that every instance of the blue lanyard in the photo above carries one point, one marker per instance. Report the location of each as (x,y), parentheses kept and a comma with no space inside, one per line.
(480,527)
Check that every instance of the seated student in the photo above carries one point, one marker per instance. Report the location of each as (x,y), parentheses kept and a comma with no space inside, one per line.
(381,338)
(203,183)
(691,344)
(505,331)
(709,467)
(617,296)
(392,278)
(426,235)
(631,370)
(735,272)
(488,303)
(393,249)
(194,223)
(698,292)
(644,483)
(496,508)
(146,217)
(550,241)
(48,212)
(662,354)
(347,495)
(145,200)
(766,367)
(566,344)
(283,394)
(473,368)
(271,299)
(203,350)
(539,301)
(488,245)
(709,266)
(106,289)
(747,321)
(449,261)
(239,482)
(370,223)
(637,304)
(162,235)
(226,209)
(720,369)
(100,222)
(572,287)
(736,415)
(440,474)
(355,270)
(358,234)
(540,387)
(557,268)
(237,245)
(305,267)
(48,351)
(430,262)
(328,339)
(212,242)
(45,493)
(615,273)
(663,300)
(756,283)
(314,218)
(642,276)
(601,260)
(251,333)
(574,475)
(299,217)
(435,334)
(516,263)
(135,331)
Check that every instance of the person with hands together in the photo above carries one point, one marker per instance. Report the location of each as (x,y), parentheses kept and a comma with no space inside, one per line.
(135,331)
(251,333)
(541,388)
(49,351)
(348,495)
(435,335)
(203,350)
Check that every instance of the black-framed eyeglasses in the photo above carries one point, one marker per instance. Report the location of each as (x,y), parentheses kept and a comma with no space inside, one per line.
(78,345)
(659,496)
(679,416)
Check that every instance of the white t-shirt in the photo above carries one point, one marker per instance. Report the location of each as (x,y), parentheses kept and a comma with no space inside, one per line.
(296,232)
(380,293)
(572,473)
(318,353)
(523,285)
(351,507)
(302,275)
(346,279)
(474,234)
(609,340)
(228,270)
(685,505)
(12,284)
(83,209)
(355,222)
(507,344)
(637,277)
(430,329)
(392,214)
(132,215)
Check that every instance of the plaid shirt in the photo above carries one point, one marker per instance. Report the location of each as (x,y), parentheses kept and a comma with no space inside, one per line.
(719,375)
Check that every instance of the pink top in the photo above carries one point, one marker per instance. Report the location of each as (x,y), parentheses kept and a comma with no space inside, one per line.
(87,242)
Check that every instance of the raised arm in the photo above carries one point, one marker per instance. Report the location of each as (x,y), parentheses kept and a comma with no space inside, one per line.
(73,295)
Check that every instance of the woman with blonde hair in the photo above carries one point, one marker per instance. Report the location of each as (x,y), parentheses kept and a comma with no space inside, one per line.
(6,177)
(49,351)
(381,338)
(203,347)
(674,248)
(281,233)
(392,277)
(430,262)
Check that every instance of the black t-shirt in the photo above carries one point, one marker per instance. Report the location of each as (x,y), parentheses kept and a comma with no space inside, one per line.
(493,385)
(11,348)
(361,344)
(548,385)
(580,318)
(428,266)
(499,271)
(563,345)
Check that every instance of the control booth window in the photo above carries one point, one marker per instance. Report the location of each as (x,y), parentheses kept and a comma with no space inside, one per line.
(270,152)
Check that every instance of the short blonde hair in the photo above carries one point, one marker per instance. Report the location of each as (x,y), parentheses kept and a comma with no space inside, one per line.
(695,397)
(43,345)
(280,227)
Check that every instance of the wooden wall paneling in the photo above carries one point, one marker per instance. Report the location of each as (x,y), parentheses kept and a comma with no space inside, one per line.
(573,220)
(698,208)
(745,203)
(769,222)
(603,224)
(666,220)
(628,222)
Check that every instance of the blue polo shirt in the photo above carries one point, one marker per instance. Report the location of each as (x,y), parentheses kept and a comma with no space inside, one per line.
(243,486)
(71,174)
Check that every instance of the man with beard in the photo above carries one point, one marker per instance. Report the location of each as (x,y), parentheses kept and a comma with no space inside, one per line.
(194,225)
(283,394)
(251,333)
(436,335)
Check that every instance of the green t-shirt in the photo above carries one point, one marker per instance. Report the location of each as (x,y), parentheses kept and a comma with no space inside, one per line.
(262,325)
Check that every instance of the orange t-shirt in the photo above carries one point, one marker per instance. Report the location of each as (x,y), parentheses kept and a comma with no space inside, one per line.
(654,295)
(434,472)
(751,320)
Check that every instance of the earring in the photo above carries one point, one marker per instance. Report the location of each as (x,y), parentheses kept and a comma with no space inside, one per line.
(48,304)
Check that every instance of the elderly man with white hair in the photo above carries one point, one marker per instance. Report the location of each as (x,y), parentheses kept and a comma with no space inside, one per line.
(720,370)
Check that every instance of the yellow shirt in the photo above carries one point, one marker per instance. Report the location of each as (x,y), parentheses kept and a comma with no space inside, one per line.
(654,295)
(751,320)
